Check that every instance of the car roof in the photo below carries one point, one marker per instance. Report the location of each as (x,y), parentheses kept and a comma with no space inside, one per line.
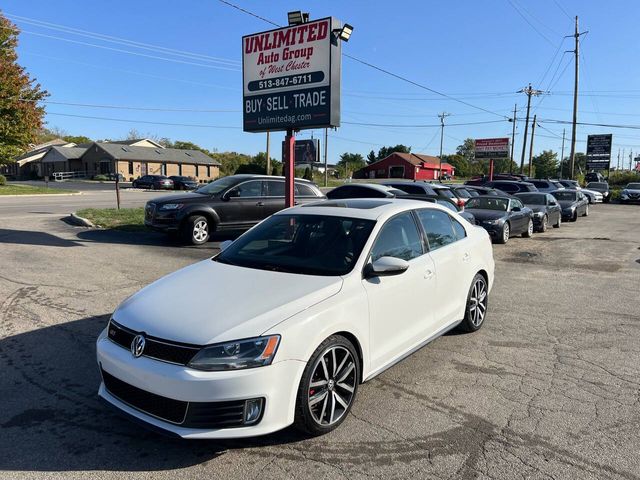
(373,186)
(248,176)
(365,208)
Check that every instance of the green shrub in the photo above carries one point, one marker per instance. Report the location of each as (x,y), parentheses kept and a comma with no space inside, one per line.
(615,193)
(101,178)
(622,178)
(3,180)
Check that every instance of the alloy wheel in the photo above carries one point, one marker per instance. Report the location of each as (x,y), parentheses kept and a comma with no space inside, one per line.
(505,233)
(332,385)
(200,230)
(478,302)
(530,228)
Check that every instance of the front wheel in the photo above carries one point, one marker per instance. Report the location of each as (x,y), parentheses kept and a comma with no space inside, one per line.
(477,301)
(544,224)
(328,386)
(506,231)
(196,230)
(529,232)
(559,222)
(574,217)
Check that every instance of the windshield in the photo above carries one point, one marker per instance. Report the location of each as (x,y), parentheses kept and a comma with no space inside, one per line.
(597,185)
(633,186)
(302,244)
(488,203)
(533,199)
(562,195)
(217,186)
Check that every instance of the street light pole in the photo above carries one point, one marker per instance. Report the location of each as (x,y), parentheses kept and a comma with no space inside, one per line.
(513,137)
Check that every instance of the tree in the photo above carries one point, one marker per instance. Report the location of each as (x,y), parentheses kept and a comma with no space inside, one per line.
(20,115)
(77,139)
(546,164)
(467,150)
(386,151)
(349,163)
(371,157)
(307,174)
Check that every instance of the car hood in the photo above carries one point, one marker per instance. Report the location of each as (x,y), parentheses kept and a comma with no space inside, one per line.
(566,203)
(211,302)
(485,214)
(537,208)
(631,190)
(592,192)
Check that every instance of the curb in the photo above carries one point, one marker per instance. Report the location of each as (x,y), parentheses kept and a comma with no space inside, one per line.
(80,221)
(42,195)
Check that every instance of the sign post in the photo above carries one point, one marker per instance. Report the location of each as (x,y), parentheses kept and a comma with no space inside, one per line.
(599,151)
(491,148)
(291,81)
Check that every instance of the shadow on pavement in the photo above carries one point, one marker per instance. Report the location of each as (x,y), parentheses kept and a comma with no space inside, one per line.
(146,237)
(29,237)
(52,419)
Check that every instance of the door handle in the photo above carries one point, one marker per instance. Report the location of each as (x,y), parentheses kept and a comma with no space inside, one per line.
(260,204)
(428,275)
(465,257)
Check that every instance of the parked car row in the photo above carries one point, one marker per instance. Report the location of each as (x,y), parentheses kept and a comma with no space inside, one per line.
(162,182)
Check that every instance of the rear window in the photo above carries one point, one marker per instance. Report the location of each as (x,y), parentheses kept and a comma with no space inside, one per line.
(412,189)
(445,192)
(463,193)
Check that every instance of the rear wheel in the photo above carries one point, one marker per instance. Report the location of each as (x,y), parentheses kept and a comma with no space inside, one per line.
(586,211)
(196,230)
(529,232)
(506,231)
(328,386)
(477,301)
(559,222)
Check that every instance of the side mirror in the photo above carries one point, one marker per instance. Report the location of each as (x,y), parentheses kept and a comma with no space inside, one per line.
(224,245)
(516,209)
(385,267)
(233,193)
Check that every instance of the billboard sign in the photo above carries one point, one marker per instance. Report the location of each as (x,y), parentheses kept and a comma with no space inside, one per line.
(291,77)
(492,148)
(306,151)
(599,151)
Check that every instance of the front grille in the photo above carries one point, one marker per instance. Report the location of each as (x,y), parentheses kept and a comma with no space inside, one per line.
(157,348)
(203,415)
(173,411)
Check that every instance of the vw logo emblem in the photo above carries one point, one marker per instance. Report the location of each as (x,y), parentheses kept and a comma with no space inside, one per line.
(137,345)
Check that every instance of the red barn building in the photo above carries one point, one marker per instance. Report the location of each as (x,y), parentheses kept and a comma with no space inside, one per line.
(411,166)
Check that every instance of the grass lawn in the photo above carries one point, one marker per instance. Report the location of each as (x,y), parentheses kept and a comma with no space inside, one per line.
(128,219)
(30,190)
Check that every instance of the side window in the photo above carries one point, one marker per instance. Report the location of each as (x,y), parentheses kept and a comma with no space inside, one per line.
(398,238)
(411,189)
(509,188)
(275,188)
(341,192)
(438,228)
(249,189)
(304,190)
(458,229)
(516,203)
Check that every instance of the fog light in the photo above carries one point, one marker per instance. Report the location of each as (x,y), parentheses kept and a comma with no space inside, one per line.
(252,411)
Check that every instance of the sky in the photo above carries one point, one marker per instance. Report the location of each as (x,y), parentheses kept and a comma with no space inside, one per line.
(173,69)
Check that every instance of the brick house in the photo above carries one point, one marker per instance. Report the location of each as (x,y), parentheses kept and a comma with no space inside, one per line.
(29,164)
(410,166)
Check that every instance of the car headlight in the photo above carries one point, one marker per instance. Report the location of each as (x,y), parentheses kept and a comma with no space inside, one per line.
(625,192)
(538,214)
(247,353)
(492,222)
(171,206)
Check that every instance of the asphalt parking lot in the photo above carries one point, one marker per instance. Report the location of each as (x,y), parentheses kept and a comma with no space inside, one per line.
(548,388)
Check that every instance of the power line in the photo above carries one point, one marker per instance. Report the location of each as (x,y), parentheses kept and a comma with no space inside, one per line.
(144,121)
(563,10)
(249,13)
(126,107)
(530,24)
(123,41)
(608,125)
(421,125)
(120,50)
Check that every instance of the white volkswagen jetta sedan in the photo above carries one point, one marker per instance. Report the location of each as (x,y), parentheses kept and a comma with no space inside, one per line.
(282,326)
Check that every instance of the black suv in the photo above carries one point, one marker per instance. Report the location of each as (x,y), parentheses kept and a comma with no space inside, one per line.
(233,203)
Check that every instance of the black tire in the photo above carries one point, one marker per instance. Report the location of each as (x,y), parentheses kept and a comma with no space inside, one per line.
(153,186)
(504,235)
(306,416)
(559,222)
(574,218)
(196,230)
(544,225)
(606,200)
(477,303)
(528,233)
(586,211)
(134,184)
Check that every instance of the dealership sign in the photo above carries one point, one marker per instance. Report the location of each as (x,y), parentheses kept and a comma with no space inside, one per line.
(599,151)
(291,77)
(492,148)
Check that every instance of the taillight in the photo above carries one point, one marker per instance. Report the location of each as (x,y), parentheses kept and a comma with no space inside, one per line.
(460,202)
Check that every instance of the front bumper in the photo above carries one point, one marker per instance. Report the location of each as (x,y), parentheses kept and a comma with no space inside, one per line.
(494,231)
(629,198)
(277,384)
(567,214)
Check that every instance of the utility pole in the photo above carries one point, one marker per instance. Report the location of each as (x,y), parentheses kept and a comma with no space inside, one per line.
(533,132)
(576,52)
(562,154)
(618,162)
(513,136)
(622,163)
(326,167)
(268,157)
(529,92)
(442,117)
(630,159)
